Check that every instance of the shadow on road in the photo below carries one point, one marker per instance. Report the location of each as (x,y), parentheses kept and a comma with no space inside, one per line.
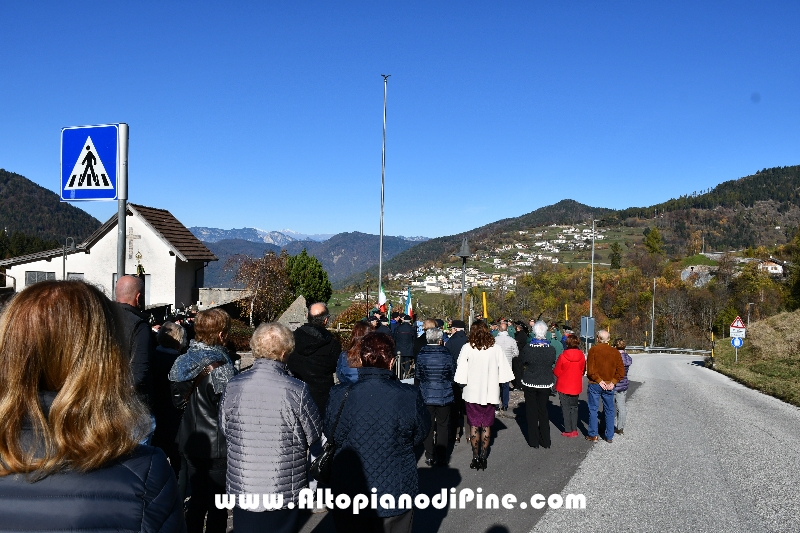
(432,481)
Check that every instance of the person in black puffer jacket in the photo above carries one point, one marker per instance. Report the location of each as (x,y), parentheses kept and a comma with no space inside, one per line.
(172,343)
(315,355)
(93,475)
(381,421)
(198,380)
(537,360)
(434,373)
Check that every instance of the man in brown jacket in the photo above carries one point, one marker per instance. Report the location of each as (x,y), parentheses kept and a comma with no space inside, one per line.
(604,368)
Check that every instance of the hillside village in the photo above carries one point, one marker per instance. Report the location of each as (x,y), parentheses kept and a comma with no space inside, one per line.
(498,266)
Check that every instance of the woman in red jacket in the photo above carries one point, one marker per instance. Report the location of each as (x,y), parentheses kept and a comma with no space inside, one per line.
(569,370)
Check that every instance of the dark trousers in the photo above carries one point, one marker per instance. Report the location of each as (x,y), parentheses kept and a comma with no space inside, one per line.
(569,408)
(280,521)
(505,394)
(347,522)
(457,411)
(207,478)
(440,422)
(536,413)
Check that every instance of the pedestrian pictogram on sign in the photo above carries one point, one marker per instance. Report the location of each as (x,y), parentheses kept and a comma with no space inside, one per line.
(89,162)
(88,171)
(737,323)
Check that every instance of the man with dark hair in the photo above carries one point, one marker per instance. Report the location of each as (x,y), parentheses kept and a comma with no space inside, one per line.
(141,343)
(404,336)
(315,354)
(457,340)
(383,325)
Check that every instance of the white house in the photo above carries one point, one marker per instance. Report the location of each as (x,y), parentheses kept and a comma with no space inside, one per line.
(771,267)
(172,258)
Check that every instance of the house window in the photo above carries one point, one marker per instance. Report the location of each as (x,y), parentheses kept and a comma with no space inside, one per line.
(35,276)
(75,275)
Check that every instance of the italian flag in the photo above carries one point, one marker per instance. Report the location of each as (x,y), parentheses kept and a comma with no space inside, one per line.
(382,300)
(409,307)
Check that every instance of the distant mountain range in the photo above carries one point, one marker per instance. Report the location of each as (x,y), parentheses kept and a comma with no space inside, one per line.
(278,238)
(319,237)
(343,255)
(246,234)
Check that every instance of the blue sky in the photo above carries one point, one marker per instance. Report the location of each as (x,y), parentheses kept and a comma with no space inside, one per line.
(269,114)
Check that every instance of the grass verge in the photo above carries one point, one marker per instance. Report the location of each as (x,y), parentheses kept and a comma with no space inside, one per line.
(777,375)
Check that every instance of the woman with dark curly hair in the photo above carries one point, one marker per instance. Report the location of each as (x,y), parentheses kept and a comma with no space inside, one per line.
(375,423)
(482,367)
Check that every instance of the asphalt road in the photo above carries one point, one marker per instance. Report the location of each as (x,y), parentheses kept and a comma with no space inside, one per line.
(514,468)
(700,453)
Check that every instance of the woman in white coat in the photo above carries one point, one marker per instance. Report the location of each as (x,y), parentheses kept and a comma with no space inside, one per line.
(482,367)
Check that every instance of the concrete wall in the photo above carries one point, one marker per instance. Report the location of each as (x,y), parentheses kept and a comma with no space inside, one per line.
(211,297)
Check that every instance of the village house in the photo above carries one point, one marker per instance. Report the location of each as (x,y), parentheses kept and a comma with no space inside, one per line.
(158,247)
(771,267)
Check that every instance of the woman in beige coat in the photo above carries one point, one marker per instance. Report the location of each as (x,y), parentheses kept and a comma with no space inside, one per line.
(482,367)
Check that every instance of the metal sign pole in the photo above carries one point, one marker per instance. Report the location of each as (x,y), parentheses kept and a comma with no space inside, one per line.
(737,355)
(122,198)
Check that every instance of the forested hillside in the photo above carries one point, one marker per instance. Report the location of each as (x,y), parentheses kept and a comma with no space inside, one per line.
(758,210)
(33,218)
(36,211)
(441,248)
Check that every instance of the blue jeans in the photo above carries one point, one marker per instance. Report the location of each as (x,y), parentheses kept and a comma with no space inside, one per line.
(594,394)
(504,394)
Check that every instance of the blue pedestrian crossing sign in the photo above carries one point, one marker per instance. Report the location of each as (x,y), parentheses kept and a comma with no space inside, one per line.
(737,342)
(89,162)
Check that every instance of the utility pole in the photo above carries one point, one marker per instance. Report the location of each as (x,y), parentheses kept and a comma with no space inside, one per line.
(383,175)
(653,316)
(591,288)
(464,255)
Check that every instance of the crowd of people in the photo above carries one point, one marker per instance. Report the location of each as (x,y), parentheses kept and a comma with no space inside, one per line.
(88,385)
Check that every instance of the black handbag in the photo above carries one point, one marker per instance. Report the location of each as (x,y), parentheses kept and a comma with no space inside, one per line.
(322,465)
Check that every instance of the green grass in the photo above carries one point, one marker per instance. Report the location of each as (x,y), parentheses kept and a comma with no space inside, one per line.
(778,377)
(698,259)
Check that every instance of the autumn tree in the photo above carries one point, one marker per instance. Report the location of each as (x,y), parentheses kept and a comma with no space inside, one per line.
(308,278)
(267,283)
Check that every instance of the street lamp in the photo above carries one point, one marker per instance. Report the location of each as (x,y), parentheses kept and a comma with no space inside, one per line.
(68,247)
(748,313)
(463,254)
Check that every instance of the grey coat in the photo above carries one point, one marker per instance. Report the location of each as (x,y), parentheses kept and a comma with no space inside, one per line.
(269,421)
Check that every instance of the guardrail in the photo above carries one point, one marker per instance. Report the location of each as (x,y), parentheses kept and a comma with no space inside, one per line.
(665,349)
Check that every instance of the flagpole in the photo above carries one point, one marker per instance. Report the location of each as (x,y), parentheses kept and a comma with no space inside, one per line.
(383,175)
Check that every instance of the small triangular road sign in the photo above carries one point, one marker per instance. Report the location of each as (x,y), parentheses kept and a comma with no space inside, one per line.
(88,171)
(737,323)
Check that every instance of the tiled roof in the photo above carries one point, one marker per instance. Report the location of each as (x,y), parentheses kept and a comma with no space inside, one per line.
(185,245)
(173,232)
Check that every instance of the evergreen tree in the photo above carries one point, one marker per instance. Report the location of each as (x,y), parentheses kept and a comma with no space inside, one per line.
(653,241)
(307,277)
(616,255)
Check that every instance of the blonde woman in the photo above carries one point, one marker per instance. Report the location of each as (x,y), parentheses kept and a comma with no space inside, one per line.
(69,458)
